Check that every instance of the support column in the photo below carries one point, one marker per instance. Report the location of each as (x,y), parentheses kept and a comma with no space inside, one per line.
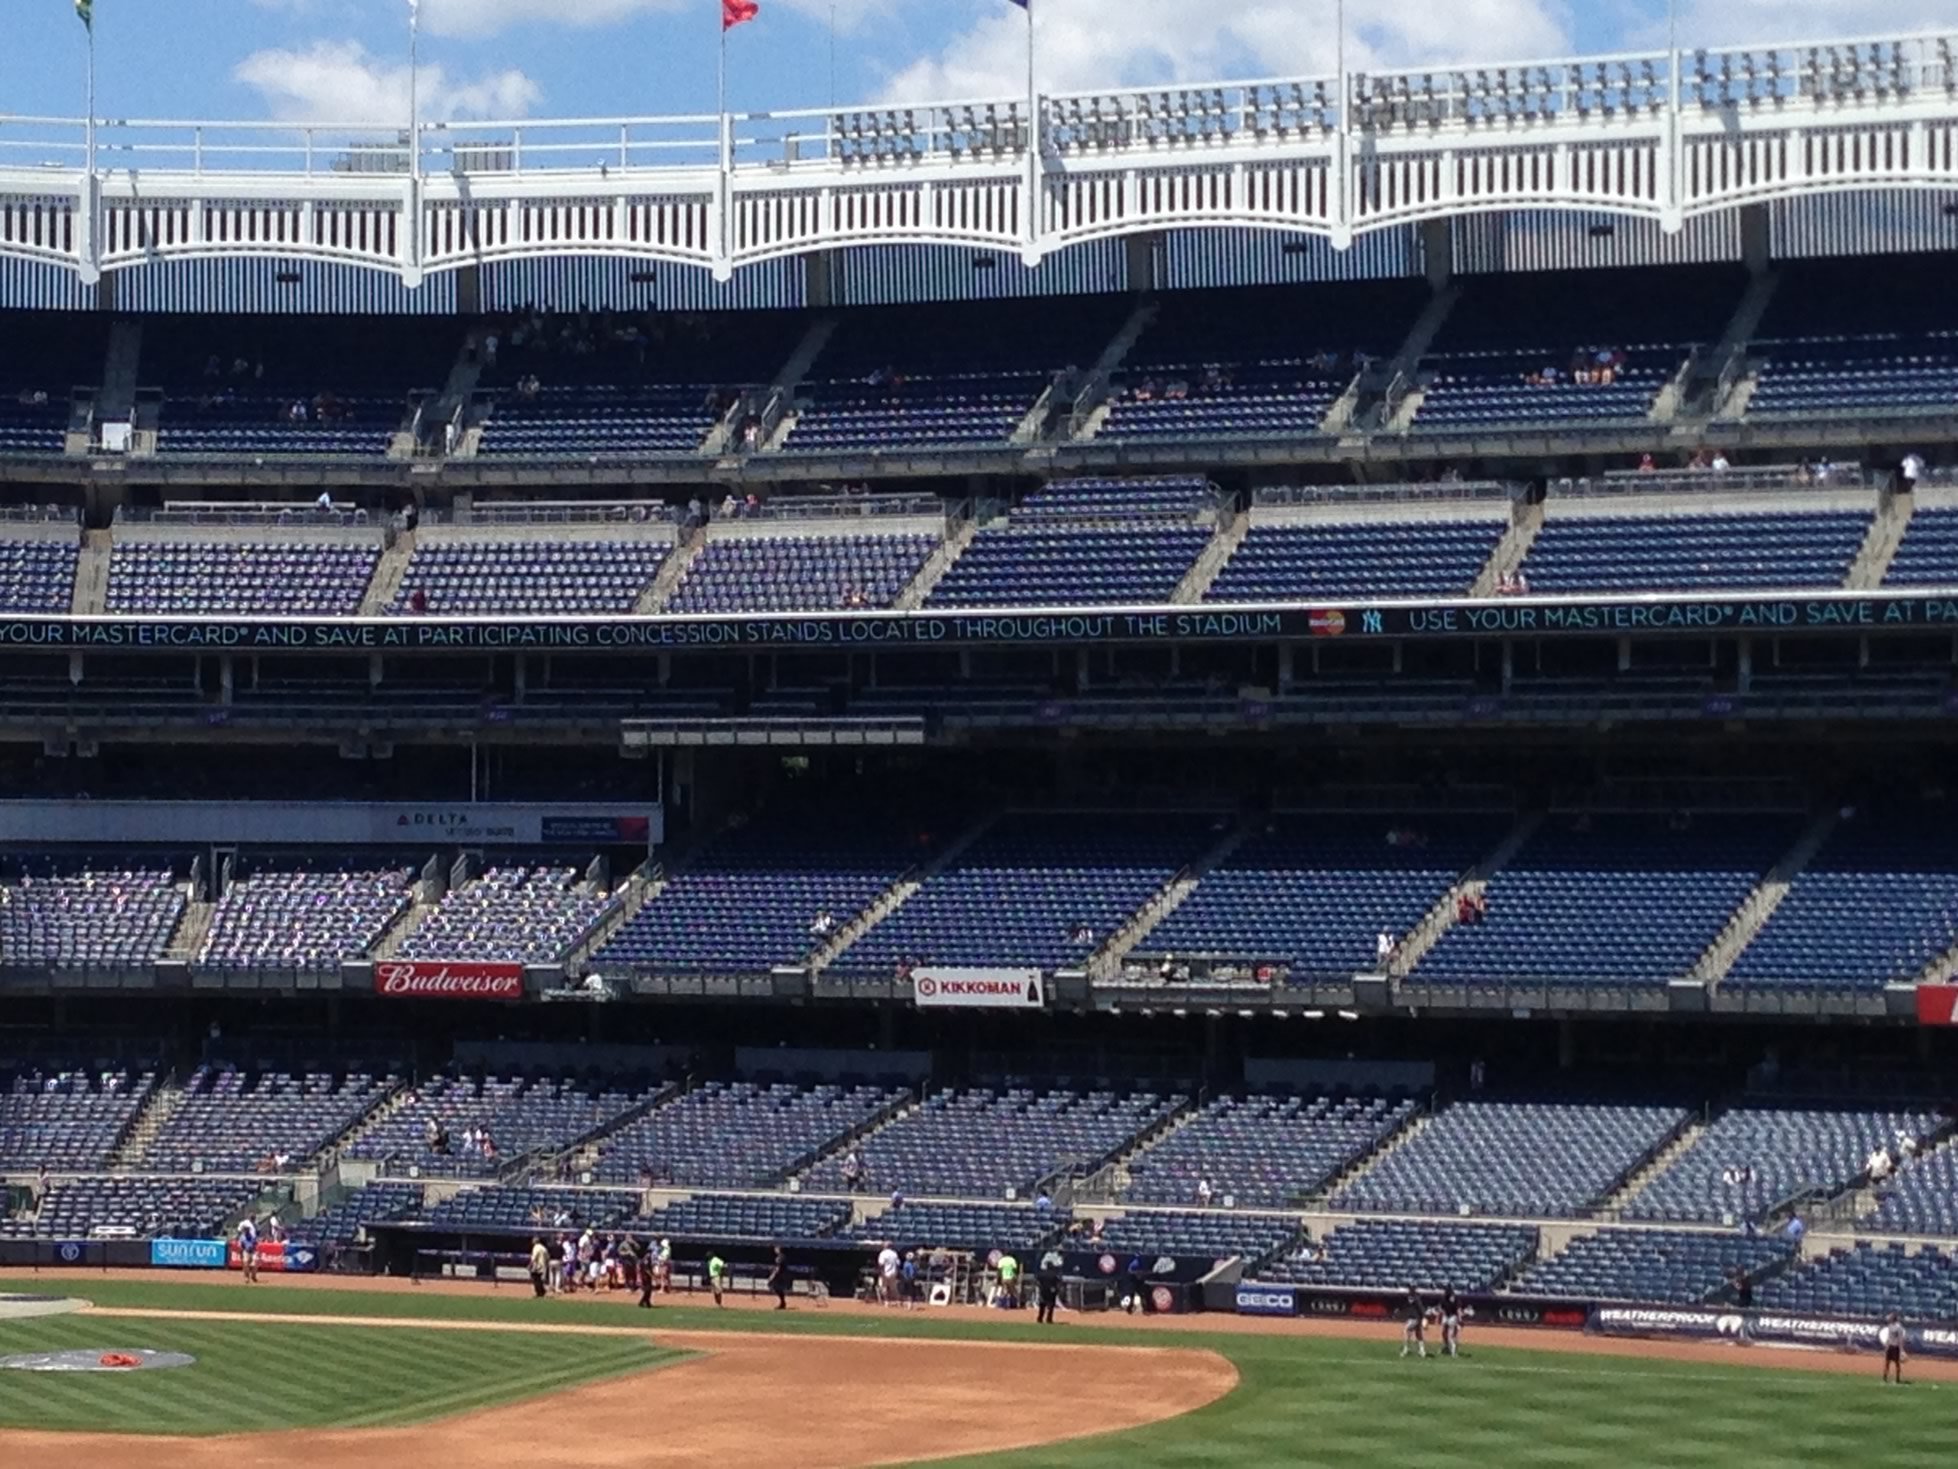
(105,292)
(1755,238)
(1566,1045)
(469,291)
(1140,254)
(820,284)
(1744,674)
(1438,252)
(1285,656)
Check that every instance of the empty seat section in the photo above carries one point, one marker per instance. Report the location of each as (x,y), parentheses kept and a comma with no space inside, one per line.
(38,575)
(72,913)
(1395,1254)
(1267,360)
(1536,1159)
(1281,561)
(795,573)
(1263,1151)
(311,919)
(527,915)
(1692,551)
(44,357)
(737,1134)
(1754,1160)
(712,1218)
(1877,904)
(1870,1281)
(231,1120)
(1041,891)
(521,1115)
(1616,899)
(264,577)
(978,1142)
(66,1115)
(140,1208)
(1927,556)
(1671,1267)
(1313,893)
(534,575)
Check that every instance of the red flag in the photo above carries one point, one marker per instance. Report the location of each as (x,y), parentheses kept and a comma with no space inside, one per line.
(738,12)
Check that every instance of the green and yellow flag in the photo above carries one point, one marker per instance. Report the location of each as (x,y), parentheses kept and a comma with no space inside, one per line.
(86,10)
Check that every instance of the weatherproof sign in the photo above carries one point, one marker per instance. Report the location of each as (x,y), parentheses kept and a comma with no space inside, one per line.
(978,989)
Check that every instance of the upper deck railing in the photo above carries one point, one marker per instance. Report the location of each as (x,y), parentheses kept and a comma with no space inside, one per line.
(1662,135)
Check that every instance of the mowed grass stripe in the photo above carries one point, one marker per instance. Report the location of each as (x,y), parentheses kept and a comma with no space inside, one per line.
(253,1376)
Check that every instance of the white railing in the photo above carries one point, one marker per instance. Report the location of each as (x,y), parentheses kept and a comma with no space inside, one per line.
(1658,135)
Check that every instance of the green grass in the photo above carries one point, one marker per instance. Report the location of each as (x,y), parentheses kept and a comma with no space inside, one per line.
(1302,1400)
(251,1377)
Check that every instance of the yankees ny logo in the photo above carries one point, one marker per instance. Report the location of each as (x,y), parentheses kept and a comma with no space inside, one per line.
(1372,622)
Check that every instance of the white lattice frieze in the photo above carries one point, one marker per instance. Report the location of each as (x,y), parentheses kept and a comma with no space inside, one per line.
(39,228)
(1659,135)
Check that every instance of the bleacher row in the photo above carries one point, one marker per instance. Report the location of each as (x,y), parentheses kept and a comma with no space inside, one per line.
(1580,898)
(977,1156)
(1067,544)
(1548,350)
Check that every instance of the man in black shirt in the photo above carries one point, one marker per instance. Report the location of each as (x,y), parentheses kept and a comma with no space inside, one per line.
(778,1279)
(1414,1323)
(1451,1320)
(1047,1283)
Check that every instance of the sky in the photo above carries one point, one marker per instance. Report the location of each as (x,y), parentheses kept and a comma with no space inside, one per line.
(347,60)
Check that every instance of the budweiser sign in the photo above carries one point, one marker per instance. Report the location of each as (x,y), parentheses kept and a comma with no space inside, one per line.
(447,980)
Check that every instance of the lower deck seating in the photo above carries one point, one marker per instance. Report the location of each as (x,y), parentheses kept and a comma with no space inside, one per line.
(1669,1267)
(1265,1151)
(1672,551)
(139,1208)
(715,1217)
(977,1227)
(1395,1254)
(1869,1280)
(1356,560)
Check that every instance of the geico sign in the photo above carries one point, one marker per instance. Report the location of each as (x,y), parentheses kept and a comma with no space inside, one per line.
(1266,1302)
(447,980)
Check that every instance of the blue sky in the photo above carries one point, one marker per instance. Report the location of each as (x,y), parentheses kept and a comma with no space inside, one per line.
(345,59)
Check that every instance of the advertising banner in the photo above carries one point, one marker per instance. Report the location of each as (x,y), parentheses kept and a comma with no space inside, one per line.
(1841,612)
(447,979)
(1937,1004)
(1267,1300)
(187,1254)
(329,823)
(285,1257)
(1776,1328)
(978,989)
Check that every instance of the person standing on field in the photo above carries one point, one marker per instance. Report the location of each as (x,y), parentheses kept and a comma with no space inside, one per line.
(1892,1339)
(540,1266)
(717,1277)
(778,1279)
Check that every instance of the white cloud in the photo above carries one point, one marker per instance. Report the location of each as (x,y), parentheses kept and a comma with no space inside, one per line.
(477,18)
(1099,43)
(339,82)
(1740,22)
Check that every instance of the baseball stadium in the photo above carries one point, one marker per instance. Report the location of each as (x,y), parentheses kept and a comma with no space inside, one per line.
(1178,775)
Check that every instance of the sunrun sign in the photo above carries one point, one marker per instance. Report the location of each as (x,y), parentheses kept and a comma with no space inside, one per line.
(1831,612)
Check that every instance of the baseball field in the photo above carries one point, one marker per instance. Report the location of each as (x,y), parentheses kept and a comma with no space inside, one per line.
(379,1375)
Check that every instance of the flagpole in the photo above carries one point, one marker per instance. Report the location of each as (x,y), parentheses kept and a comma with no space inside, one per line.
(414,88)
(88,124)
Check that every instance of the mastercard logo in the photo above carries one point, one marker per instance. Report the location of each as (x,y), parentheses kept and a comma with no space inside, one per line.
(1327,624)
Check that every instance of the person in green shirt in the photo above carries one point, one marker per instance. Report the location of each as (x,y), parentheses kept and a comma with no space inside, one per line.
(717,1277)
(1009,1281)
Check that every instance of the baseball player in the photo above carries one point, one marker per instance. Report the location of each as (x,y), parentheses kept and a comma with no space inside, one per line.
(717,1277)
(1892,1339)
(665,1267)
(1414,1323)
(1451,1320)
(648,1273)
(248,1250)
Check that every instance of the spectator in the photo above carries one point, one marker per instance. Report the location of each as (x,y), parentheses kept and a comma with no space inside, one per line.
(730,507)
(1645,464)
(418,601)
(540,1266)
(822,925)
(1794,1231)
(1879,1165)
(1720,464)
(1910,471)
(1204,1193)
(887,1276)
(325,502)
(852,1172)
(1385,947)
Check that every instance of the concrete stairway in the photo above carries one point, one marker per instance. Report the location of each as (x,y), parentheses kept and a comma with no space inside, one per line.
(1659,1162)
(894,897)
(386,585)
(1758,907)
(188,940)
(398,931)
(1525,523)
(805,354)
(672,572)
(1415,943)
(1106,962)
(639,890)
(1879,548)
(164,1103)
(1941,970)
(1232,527)
(1416,1125)
(1666,406)
(1421,335)
(936,565)
(1722,385)
(92,575)
(116,402)
(1091,403)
